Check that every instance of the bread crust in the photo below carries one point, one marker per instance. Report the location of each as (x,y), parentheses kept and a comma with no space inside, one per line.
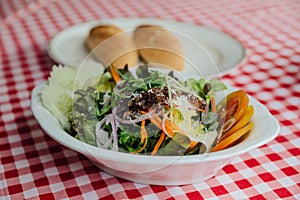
(111,45)
(158,45)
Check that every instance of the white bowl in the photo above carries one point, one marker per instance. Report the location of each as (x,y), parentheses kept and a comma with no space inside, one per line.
(160,170)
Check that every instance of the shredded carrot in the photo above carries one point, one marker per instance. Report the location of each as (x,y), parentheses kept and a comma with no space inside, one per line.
(144,137)
(142,148)
(213,103)
(143,131)
(156,121)
(193,143)
(114,73)
(170,128)
(201,110)
(159,142)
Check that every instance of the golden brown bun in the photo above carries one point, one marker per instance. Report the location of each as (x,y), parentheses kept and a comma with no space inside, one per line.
(157,45)
(118,50)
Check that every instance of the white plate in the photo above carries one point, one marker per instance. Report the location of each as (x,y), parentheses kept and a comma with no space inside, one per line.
(160,170)
(210,50)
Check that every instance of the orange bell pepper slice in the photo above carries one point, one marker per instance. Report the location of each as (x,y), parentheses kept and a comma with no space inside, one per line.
(234,105)
(234,137)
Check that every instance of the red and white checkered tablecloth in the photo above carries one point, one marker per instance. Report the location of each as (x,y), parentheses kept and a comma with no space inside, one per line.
(33,166)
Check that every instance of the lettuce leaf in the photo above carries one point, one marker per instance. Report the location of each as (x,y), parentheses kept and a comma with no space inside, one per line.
(57,94)
(58,102)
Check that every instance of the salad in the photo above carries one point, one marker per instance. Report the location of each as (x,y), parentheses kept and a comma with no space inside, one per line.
(145,111)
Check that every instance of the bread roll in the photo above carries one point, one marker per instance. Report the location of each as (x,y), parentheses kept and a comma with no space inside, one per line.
(111,45)
(157,45)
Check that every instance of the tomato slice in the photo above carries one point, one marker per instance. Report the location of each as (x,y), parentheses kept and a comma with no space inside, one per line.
(233,106)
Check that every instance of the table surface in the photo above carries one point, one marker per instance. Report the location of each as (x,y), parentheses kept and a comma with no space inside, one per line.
(32,165)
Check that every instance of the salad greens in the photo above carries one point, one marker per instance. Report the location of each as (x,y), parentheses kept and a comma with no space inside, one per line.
(140,110)
(57,94)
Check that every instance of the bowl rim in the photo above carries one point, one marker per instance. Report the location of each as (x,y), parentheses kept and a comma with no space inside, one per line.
(52,127)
